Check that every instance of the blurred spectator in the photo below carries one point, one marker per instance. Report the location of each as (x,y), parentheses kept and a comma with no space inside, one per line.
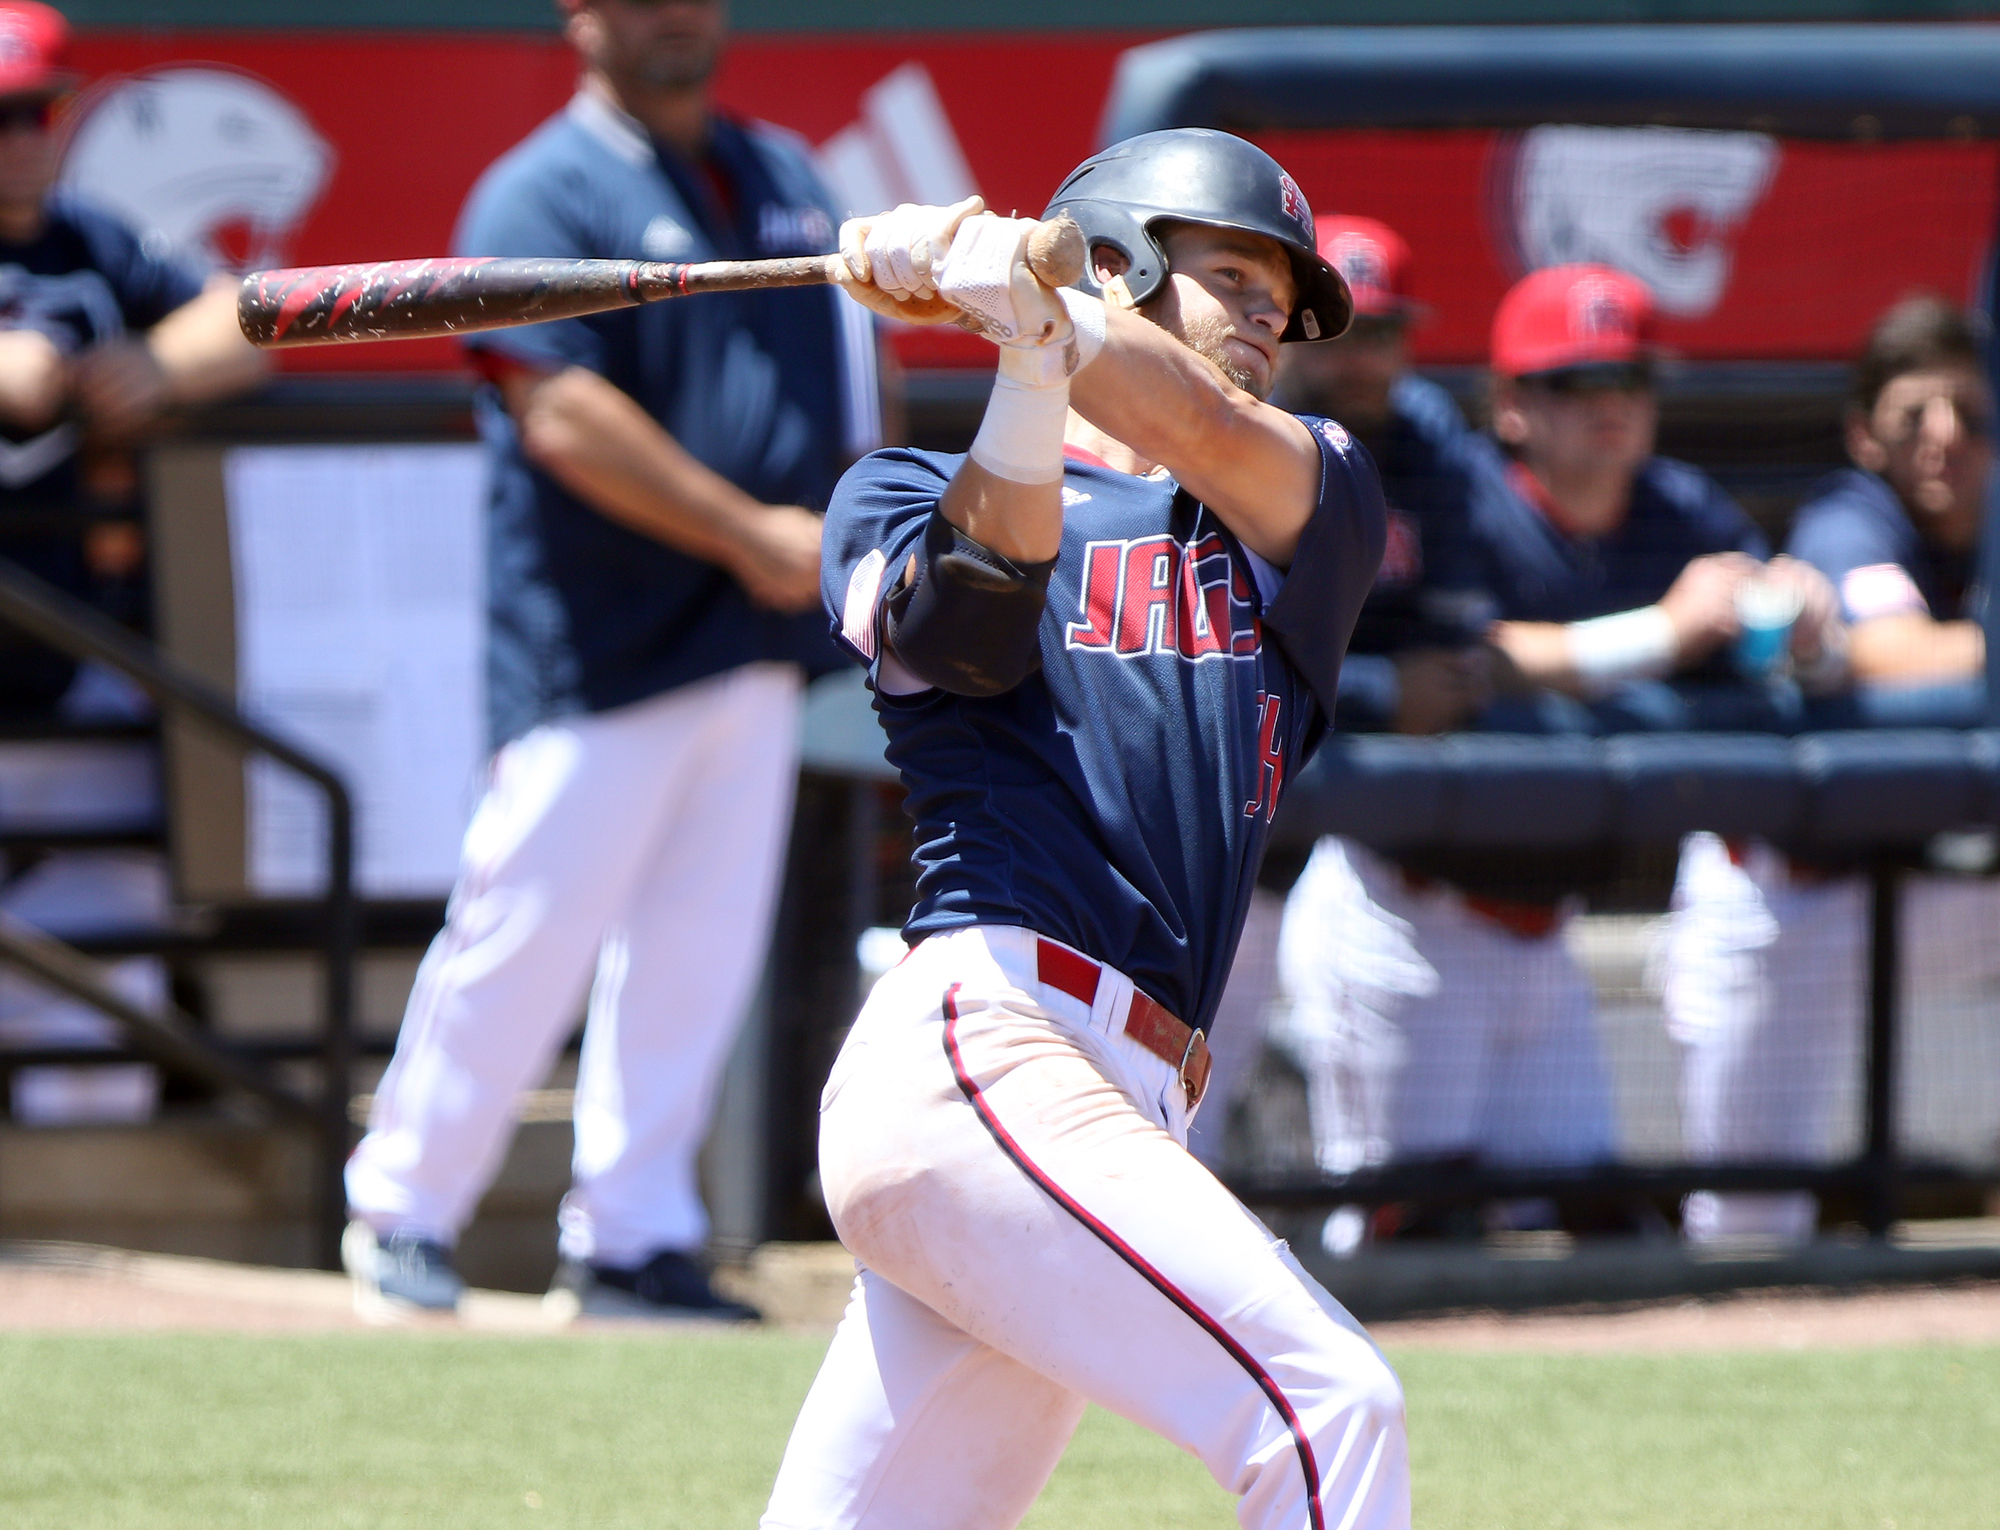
(1454,1023)
(1766,969)
(98,337)
(1416,663)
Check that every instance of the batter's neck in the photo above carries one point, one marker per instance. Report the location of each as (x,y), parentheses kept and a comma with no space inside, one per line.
(1114,453)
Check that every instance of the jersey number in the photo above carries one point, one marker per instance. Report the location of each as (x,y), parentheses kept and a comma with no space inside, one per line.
(1270,758)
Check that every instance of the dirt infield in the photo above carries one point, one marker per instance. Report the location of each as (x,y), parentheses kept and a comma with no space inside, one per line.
(66,1287)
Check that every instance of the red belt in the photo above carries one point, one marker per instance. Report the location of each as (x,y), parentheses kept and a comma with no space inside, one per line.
(1146,1022)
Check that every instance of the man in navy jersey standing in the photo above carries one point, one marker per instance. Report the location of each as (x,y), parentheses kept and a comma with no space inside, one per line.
(653,559)
(1098,644)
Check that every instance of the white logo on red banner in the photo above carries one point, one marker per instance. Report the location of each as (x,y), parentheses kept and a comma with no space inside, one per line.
(1665,204)
(211,163)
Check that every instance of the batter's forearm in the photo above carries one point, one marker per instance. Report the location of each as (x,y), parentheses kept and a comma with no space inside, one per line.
(1022,521)
(1252,464)
(596,441)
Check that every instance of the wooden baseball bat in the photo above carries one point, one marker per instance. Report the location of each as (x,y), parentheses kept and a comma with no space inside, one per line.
(409,299)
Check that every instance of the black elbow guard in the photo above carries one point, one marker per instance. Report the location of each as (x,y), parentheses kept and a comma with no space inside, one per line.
(965,619)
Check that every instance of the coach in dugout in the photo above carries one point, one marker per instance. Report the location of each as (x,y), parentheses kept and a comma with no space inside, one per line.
(100,334)
(654,566)
(1766,962)
(1418,662)
(1465,1029)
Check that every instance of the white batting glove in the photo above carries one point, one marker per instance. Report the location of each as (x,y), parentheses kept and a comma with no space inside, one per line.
(1044,335)
(892,258)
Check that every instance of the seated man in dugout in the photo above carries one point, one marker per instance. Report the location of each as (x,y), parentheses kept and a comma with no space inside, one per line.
(1464,1029)
(1418,662)
(1767,960)
(100,333)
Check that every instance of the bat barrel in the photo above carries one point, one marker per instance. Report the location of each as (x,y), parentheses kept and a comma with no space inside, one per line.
(406,299)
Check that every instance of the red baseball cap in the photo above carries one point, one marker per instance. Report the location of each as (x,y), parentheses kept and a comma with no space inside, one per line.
(1375,261)
(1572,316)
(34,40)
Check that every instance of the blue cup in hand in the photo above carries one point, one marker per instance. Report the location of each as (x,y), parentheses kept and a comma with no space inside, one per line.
(1765,609)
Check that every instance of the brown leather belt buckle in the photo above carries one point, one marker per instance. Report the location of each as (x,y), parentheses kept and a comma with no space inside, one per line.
(1146,1020)
(1195,1065)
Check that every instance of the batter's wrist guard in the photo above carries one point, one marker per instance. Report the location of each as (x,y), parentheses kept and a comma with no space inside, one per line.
(964,618)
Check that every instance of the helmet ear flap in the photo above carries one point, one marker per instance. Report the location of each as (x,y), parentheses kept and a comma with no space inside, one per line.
(1106,223)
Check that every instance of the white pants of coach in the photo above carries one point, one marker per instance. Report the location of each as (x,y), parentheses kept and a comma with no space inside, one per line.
(1766,987)
(1008,1168)
(632,854)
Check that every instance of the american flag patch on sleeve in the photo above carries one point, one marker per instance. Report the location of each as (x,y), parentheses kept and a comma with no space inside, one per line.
(857,616)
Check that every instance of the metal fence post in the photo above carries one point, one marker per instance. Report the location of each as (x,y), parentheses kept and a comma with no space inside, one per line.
(1885,885)
(337,1054)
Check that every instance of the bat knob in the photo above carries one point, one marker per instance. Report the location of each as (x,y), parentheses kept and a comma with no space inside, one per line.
(1056,252)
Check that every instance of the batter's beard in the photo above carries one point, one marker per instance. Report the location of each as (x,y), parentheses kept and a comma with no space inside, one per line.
(1206,336)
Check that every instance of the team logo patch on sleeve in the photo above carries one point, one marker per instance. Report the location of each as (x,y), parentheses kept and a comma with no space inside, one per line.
(1880,589)
(1335,434)
(857,615)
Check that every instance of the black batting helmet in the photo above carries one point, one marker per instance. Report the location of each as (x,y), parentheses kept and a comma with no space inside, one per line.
(1197,175)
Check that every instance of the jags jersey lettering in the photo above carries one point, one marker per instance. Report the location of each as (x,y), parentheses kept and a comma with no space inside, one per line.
(1154,595)
(1270,758)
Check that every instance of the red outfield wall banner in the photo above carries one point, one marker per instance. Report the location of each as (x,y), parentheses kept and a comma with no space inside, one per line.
(299,148)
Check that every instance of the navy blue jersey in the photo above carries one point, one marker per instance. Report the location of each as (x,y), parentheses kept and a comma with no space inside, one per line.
(1426,594)
(1416,598)
(85,280)
(1855,531)
(773,390)
(1536,572)
(1119,798)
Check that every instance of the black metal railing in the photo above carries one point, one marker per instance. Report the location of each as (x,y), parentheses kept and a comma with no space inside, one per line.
(68,625)
(1873,800)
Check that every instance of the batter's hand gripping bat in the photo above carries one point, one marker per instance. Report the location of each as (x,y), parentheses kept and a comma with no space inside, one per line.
(411,299)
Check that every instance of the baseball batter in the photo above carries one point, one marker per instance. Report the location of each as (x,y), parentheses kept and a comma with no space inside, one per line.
(1099,643)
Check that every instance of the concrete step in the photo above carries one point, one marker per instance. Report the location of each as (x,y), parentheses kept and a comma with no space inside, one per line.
(241,1192)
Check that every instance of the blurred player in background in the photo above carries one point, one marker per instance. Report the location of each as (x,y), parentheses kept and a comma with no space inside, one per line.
(1767,959)
(654,549)
(100,334)
(1465,1028)
(1417,663)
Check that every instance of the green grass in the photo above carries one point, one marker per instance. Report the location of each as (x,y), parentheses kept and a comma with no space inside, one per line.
(172,1431)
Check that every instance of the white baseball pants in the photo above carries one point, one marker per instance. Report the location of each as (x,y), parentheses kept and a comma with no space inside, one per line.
(1031,1234)
(634,852)
(1766,987)
(1427,1030)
